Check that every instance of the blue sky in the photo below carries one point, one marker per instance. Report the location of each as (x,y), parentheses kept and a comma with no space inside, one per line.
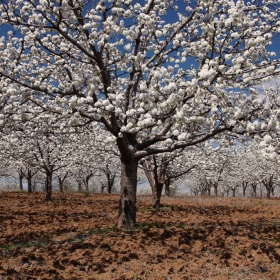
(274,47)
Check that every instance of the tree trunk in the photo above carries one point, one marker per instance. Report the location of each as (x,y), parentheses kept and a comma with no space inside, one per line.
(215,189)
(49,186)
(269,186)
(21,180)
(61,180)
(86,182)
(110,182)
(268,192)
(109,188)
(79,187)
(34,185)
(244,186)
(103,187)
(29,183)
(20,183)
(60,183)
(127,202)
(157,191)
(167,188)
(110,179)
(209,190)
(254,188)
(254,193)
(233,192)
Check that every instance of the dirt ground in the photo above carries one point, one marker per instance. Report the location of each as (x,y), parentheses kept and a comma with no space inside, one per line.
(74,237)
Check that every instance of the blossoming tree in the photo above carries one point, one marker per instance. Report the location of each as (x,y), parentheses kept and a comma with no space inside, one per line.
(164,169)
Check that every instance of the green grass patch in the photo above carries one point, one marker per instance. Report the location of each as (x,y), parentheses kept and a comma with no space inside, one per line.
(103,231)
(46,240)
(105,247)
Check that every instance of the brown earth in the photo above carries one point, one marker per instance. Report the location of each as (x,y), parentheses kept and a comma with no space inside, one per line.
(74,237)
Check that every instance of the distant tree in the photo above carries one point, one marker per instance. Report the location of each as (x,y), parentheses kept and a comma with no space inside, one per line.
(164,169)
(37,151)
(61,177)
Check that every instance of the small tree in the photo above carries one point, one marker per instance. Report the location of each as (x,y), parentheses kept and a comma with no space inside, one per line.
(162,170)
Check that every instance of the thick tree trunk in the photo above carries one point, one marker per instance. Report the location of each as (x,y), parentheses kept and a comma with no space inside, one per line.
(233,192)
(49,186)
(157,191)
(127,202)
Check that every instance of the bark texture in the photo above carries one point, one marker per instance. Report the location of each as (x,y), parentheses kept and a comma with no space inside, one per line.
(29,176)
(21,176)
(157,191)
(127,202)
(49,185)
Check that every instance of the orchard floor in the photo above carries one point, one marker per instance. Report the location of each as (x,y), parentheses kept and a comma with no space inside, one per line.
(74,237)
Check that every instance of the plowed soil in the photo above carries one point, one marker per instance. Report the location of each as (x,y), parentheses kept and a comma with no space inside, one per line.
(74,237)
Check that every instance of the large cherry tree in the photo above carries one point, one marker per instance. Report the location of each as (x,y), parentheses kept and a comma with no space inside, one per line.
(146,71)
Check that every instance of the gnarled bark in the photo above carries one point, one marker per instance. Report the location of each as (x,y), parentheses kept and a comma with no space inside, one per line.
(157,195)
(127,202)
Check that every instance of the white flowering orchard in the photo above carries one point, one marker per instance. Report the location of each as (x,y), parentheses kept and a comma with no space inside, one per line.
(147,71)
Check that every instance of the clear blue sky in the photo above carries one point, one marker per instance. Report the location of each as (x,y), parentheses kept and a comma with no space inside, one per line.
(274,47)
